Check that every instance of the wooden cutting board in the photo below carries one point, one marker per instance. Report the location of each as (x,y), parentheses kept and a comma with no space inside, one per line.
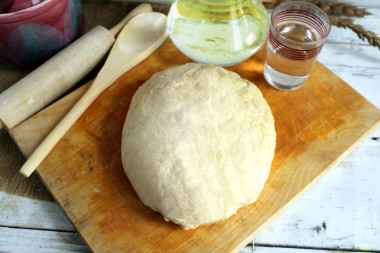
(317,126)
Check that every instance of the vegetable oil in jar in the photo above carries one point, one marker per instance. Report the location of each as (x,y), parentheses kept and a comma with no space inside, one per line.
(223,32)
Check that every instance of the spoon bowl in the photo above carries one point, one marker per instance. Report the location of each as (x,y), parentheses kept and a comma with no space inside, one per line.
(132,39)
(138,39)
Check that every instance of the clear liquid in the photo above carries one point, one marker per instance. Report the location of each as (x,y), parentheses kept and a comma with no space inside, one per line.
(289,74)
(297,32)
(217,41)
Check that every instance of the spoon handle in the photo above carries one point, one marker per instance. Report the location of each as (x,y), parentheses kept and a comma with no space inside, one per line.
(58,132)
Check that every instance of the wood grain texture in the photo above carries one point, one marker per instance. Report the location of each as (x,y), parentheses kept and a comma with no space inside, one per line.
(19,240)
(30,133)
(120,60)
(316,126)
(21,212)
(340,212)
(26,241)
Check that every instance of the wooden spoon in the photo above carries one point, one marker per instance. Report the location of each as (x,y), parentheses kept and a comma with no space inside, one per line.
(138,39)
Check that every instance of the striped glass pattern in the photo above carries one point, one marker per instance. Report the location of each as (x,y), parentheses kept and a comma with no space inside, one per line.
(303,17)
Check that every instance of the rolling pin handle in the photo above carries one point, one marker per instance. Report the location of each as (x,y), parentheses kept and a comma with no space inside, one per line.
(59,73)
(54,77)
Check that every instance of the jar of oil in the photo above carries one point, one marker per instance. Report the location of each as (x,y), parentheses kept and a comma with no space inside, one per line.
(220,32)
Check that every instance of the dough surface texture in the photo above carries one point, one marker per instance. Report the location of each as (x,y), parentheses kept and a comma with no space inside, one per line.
(197,144)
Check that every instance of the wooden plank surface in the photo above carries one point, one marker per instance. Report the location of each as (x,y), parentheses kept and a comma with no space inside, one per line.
(341,211)
(298,222)
(84,171)
(26,240)
(23,240)
(356,63)
(23,212)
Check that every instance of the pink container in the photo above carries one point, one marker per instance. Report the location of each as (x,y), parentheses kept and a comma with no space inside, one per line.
(30,36)
(16,5)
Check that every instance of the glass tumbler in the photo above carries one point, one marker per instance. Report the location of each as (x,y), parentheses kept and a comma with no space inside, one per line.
(297,33)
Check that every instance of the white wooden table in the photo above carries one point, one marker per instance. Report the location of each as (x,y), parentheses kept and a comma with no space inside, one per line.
(341,212)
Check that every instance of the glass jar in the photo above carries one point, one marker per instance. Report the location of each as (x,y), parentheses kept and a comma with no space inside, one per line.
(30,36)
(220,32)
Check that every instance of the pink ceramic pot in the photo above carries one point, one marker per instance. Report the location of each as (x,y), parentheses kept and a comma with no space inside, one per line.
(30,36)
(16,5)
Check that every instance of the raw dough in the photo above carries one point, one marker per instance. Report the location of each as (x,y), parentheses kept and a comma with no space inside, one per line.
(198,142)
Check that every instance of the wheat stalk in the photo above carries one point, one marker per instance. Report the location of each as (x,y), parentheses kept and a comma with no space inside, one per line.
(331,8)
(340,9)
(360,31)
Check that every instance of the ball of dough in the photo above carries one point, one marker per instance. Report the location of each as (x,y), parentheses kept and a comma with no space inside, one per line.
(197,144)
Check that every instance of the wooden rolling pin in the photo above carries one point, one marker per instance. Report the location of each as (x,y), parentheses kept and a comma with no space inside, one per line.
(59,73)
